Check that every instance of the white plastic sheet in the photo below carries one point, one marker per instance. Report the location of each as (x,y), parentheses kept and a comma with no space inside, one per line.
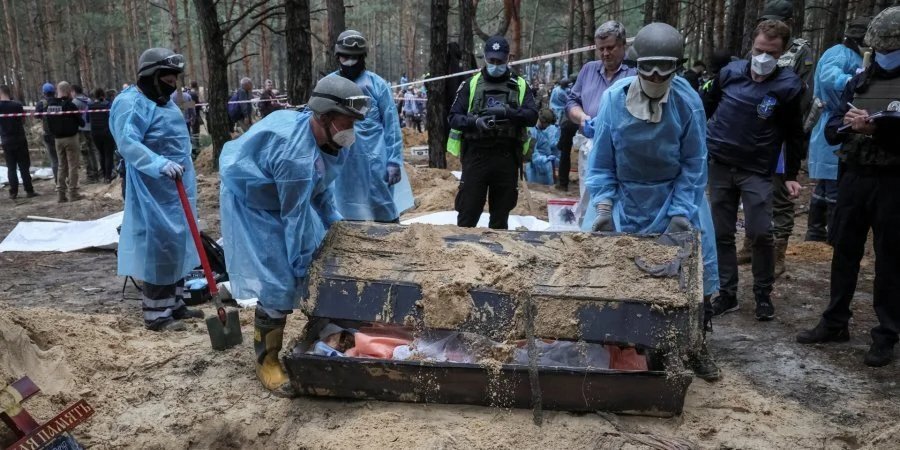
(449,218)
(39,173)
(63,237)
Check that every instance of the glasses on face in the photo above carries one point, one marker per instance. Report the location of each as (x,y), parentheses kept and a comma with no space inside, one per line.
(353,41)
(662,66)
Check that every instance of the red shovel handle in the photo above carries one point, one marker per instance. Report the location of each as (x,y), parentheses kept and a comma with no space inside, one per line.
(204,262)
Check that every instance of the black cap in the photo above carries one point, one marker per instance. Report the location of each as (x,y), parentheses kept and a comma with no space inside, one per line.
(777,10)
(496,47)
(857,27)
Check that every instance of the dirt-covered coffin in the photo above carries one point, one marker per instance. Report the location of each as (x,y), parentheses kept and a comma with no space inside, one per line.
(637,291)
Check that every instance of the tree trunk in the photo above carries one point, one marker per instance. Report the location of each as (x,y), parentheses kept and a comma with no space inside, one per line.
(39,23)
(751,14)
(800,17)
(336,26)
(217,64)
(467,34)
(570,32)
(735,34)
(513,16)
(720,25)
(437,111)
(590,24)
(648,11)
(709,14)
(299,50)
(12,39)
(195,74)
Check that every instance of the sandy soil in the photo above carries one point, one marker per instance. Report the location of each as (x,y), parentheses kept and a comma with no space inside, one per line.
(64,322)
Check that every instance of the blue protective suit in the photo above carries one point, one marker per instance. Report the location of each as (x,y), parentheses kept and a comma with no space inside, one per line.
(558,98)
(540,168)
(361,192)
(155,244)
(654,171)
(836,66)
(276,205)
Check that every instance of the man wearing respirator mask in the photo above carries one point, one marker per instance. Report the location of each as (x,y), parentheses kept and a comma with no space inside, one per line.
(754,107)
(647,172)
(277,205)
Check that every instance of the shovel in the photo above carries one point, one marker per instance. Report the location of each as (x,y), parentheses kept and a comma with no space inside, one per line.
(224,328)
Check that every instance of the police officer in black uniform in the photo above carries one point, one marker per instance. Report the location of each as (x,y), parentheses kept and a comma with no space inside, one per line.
(489,121)
(868,183)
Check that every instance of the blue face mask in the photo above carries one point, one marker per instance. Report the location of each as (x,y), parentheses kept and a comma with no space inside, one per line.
(496,70)
(888,61)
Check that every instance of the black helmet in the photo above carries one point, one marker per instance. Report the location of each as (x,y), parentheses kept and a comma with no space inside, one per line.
(155,59)
(351,43)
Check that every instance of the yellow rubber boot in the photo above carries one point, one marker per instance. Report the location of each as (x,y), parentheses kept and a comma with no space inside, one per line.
(268,337)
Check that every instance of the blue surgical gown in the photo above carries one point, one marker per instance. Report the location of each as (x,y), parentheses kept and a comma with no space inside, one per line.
(540,168)
(836,66)
(654,171)
(362,192)
(558,99)
(155,244)
(276,206)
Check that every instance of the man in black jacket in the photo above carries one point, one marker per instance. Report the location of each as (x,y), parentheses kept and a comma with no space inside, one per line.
(102,138)
(64,128)
(868,183)
(744,143)
(15,144)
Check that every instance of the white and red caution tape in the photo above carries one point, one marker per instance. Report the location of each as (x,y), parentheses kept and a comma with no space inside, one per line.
(513,63)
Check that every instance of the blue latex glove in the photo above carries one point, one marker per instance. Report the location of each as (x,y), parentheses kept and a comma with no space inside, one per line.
(171,170)
(588,130)
(393,174)
(552,158)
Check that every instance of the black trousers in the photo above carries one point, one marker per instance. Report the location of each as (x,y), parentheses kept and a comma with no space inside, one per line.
(866,200)
(821,208)
(106,146)
(567,130)
(728,186)
(16,155)
(489,174)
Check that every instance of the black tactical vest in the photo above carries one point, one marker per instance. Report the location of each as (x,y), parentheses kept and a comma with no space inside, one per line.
(879,95)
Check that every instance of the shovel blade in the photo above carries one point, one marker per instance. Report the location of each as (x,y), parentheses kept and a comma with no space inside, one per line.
(227,335)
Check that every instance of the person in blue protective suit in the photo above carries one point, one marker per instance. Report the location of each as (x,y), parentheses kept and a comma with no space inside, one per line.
(276,205)
(647,171)
(544,136)
(558,98)
(155,244)
(367,189)
(835,68)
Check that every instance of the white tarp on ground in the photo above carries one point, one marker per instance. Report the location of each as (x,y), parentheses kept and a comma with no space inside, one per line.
(63,237)
(449,218)
(40,173)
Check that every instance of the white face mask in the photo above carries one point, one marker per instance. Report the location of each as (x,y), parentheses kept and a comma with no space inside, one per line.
(763,64)
(344,138)
(655,90)
(349,62)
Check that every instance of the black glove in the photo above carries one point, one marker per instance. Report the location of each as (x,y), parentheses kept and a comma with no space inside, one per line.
(499,112)
(482,124)
(678,224)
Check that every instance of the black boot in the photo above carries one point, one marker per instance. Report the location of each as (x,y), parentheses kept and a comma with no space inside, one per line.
(724,303)
(879,355)
(821,333)
(818,219)
(765,310)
